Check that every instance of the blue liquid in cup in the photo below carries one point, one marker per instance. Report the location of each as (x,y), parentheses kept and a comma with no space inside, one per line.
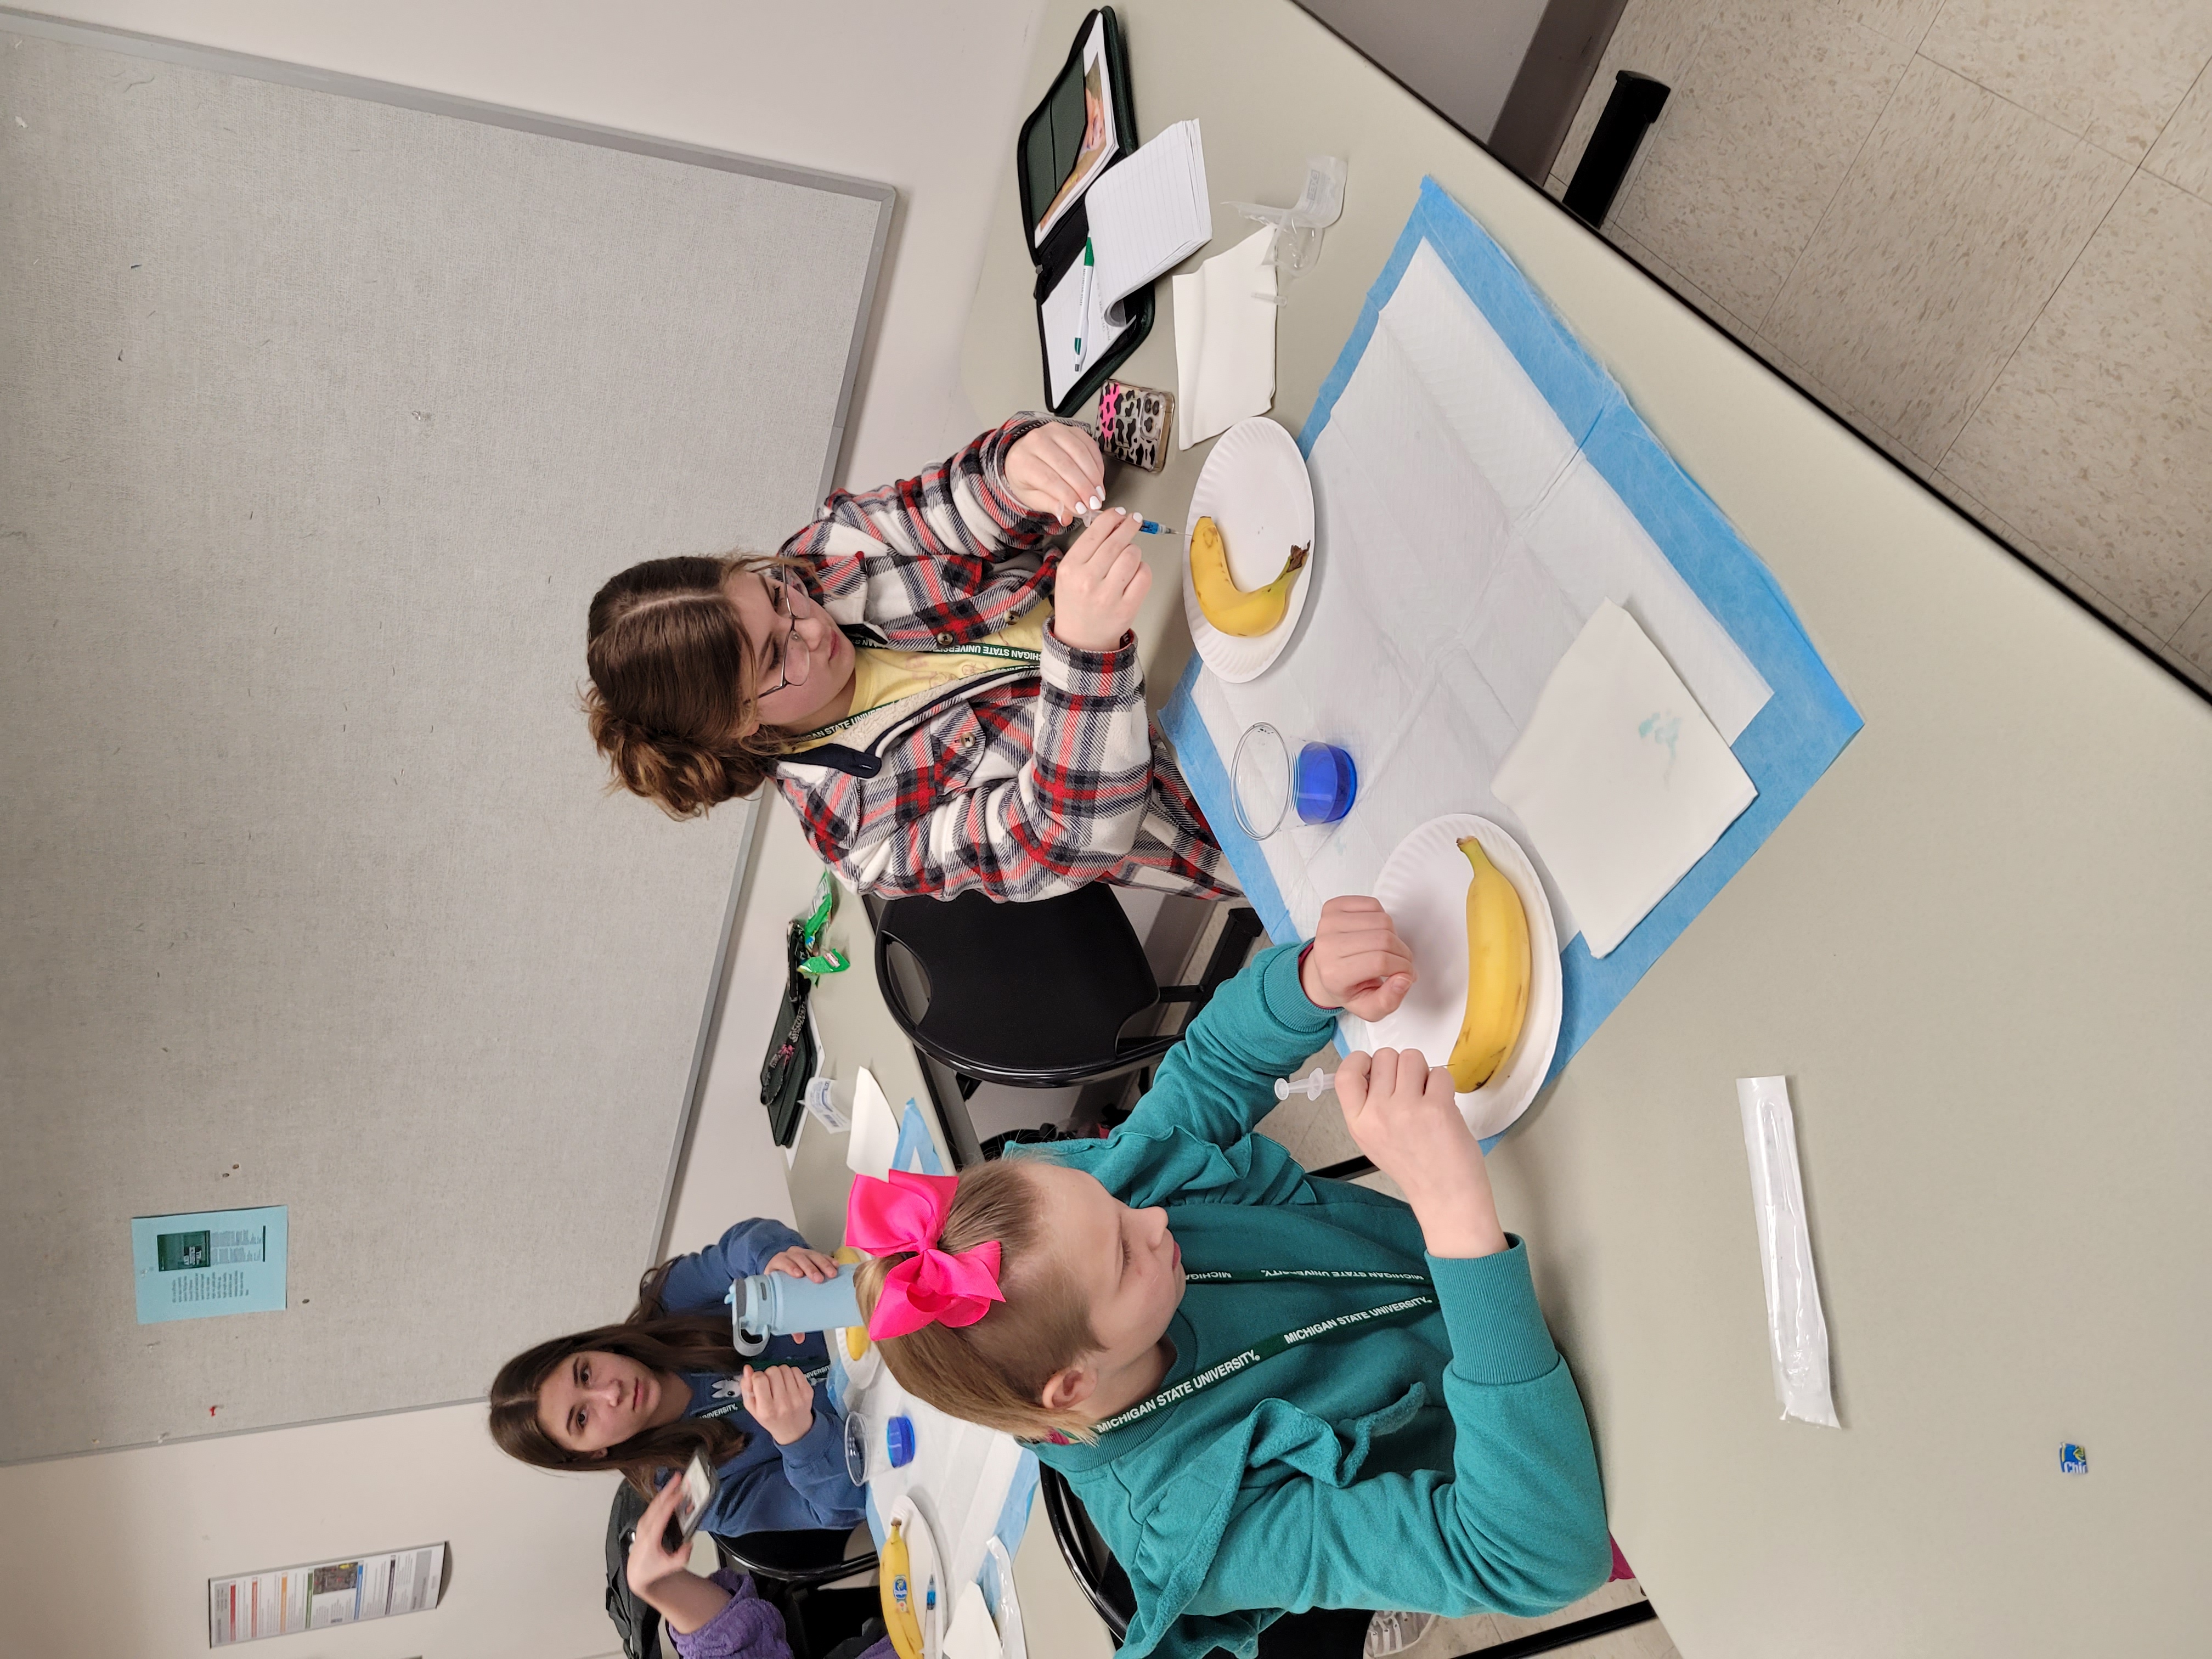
(1326,783)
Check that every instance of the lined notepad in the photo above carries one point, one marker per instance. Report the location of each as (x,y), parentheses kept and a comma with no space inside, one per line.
(1149,212)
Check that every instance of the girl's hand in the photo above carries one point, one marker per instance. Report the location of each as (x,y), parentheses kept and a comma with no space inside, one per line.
(650,1560)
(1102,579)
(663,1577)
(799,1262)
(781,1401)
(1057,469)
(1401,1113)
(1357,960)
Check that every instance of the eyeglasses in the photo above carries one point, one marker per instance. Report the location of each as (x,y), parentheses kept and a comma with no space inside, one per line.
(795,661)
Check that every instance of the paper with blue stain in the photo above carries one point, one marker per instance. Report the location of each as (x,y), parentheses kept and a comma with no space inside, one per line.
(1482,487)
(208,1262)
(1620,779)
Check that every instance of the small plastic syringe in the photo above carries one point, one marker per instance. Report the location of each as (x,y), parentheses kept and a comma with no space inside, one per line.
(1144,526)
(1311,1086)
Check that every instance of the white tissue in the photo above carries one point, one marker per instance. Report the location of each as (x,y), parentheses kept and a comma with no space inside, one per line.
(1225,341)
(875,1129)
(972,1636)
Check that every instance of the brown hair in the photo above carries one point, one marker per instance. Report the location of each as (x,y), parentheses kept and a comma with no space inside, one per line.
(652,1336)
(994,1371)
(672,678)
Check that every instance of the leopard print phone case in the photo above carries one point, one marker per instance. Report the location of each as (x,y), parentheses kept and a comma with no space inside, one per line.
(1133,422)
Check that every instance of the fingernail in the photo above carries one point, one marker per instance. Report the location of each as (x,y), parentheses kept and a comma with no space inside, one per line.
(1094,503)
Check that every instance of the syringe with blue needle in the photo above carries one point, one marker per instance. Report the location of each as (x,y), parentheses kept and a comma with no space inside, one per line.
(1144,526)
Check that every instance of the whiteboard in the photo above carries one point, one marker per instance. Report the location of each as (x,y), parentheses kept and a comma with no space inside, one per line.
(327,406)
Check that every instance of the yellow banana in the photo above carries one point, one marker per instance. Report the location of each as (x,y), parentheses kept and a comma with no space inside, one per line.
(1231,609)
(1496,973)
(856,1336)
(902,1603)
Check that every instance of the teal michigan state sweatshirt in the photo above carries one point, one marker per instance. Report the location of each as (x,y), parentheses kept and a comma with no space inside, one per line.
(1442,1465)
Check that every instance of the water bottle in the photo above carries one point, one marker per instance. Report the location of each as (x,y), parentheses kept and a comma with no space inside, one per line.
(777,1304)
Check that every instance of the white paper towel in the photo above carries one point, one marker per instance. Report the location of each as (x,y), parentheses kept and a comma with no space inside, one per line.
(1619,777)
(972,1634)
(1225,340)
(875,1129)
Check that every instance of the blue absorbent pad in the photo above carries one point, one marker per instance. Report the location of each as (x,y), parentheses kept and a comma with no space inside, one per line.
(1794,735)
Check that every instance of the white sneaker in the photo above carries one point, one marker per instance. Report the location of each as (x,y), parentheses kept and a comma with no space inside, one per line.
(1394,1632)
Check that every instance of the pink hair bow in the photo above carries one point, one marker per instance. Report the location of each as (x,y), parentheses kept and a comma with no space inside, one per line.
(932,1287)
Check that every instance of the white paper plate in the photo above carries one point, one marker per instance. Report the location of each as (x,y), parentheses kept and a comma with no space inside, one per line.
(923,1559)
(1424,887)
(1253,486)
(859,1373)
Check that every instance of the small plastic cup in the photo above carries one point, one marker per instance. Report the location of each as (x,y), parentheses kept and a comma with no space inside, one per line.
(856,1449)
(1266,781)
(1327,782)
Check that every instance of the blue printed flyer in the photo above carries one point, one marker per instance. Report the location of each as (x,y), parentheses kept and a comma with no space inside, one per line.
(210,1262)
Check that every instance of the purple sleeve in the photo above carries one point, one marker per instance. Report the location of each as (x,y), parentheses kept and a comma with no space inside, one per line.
(747,1629)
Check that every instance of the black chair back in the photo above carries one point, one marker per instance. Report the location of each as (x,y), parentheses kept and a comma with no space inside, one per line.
(1096,1573)
(635,1621)
(1034,995)
(790,1569)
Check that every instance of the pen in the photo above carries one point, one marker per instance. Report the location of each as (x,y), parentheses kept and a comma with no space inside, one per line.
(1083,311)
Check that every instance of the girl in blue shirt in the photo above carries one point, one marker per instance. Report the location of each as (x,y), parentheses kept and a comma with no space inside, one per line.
(640,1397)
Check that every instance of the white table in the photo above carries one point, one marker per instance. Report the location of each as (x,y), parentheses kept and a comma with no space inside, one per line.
(1981,949)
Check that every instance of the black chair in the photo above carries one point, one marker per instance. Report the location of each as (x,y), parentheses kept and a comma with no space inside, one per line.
(1316,1633)
(1096,1573)
(1032,995)
(1323,1633)
(790,1569)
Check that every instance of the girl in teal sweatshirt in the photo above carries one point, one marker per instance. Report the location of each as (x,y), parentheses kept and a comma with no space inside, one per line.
(1271,1392)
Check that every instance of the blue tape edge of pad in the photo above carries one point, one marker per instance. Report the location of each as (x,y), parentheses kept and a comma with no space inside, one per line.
(1792,740)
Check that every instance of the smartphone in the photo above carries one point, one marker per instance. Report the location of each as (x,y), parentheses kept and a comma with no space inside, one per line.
(700,1484)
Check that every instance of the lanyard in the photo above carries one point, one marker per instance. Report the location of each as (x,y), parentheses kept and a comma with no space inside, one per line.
(1268,1347)
(1013,654)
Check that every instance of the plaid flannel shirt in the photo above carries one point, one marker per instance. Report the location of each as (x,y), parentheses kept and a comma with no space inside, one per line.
(1021,783)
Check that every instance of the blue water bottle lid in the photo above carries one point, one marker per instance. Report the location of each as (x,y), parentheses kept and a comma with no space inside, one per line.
(898,1440)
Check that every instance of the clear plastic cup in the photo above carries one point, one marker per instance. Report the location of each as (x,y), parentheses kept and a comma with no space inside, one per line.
(1267,780)
(856,1448)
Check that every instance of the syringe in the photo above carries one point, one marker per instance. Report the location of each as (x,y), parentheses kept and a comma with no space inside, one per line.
(1311,1086)
(1144,526)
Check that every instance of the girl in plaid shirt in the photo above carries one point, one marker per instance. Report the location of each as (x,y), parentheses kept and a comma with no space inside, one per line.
(947,701)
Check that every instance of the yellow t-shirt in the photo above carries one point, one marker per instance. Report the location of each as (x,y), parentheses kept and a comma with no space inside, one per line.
(882,677)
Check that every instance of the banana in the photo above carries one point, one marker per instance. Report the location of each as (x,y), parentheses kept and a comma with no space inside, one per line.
(1496,973)
(902,1610)
(856,1336)
(1231,609)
